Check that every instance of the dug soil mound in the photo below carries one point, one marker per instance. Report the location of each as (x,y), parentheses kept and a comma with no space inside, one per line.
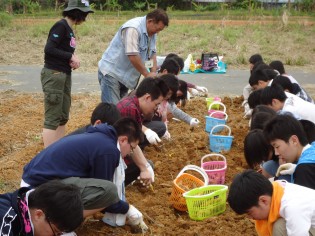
(21,117)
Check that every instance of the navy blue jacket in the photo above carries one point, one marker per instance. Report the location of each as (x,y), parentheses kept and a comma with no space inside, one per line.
(93,154)
(11,220)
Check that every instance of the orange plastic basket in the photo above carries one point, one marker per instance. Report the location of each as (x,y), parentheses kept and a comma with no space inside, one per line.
(185,182)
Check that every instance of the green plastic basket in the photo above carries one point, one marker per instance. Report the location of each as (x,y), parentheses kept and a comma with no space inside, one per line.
(207,201)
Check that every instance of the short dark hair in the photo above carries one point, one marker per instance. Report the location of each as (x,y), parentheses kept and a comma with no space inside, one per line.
(75,15)
(283,127)
(274,91)
(254,98)
(255,58)
(284,82)
(177,58)
(263,108)
(173,84)
(171,66)
(277,65)
(309,129)
(260,119)
(60,202)
(256,148)
(256,76)
(158,15)
(271,73)
(246,189)
(106,113)
(130,128)
(153,86)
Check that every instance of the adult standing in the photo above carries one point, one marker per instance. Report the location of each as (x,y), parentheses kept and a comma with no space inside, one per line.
(60,60)
(131,53)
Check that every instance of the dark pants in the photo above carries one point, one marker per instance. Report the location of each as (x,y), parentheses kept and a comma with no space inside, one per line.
(132,172)
(157,126)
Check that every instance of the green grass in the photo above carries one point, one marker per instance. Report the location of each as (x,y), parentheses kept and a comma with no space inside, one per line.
(293,43)
(5,19)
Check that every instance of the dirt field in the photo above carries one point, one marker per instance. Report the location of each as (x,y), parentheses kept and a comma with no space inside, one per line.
(20,140)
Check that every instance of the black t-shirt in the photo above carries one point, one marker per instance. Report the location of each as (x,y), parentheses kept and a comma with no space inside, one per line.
(59,47)
(305,175)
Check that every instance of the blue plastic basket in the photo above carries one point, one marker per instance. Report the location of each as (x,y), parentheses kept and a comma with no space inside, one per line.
(220,143)
(213,121)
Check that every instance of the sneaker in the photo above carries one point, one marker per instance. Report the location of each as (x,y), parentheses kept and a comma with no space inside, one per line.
(109,219)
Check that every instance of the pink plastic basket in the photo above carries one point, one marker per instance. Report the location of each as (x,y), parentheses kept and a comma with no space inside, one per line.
(213,110)
(215,167)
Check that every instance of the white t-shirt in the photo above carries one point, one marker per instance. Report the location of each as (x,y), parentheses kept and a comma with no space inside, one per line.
(300,108)
(298,209)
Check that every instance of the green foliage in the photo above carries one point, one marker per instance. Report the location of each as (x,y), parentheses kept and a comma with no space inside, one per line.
(305,5)
(213,6)
(139,5)
(170,8)
(30,7)
(5,19)
(112,5)
(199,7)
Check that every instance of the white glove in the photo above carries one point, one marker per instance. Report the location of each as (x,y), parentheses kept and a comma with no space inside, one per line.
(286,169)
(152,137)
(150,169)
(244,102)
(248,113)
(188,95)
(194,122)
(194,92)
(135,218)
(167,135)
(202,89)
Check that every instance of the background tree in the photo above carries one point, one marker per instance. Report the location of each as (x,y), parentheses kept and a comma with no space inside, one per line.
(139,5)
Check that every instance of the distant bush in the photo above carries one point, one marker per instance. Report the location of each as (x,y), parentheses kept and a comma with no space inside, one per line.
(5,19)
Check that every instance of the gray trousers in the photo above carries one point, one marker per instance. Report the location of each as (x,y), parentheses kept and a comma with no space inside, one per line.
(279,229)
(95,193)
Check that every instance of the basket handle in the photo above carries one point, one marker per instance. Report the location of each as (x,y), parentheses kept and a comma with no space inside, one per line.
(220,112)
(217,103)
(209,155)
(220,126)
(197,169)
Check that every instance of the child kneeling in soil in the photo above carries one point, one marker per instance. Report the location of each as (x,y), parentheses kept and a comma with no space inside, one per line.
(278,208)
(93,161)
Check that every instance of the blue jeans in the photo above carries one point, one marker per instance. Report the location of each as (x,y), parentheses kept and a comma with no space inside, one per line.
(112,90)
(271,167)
